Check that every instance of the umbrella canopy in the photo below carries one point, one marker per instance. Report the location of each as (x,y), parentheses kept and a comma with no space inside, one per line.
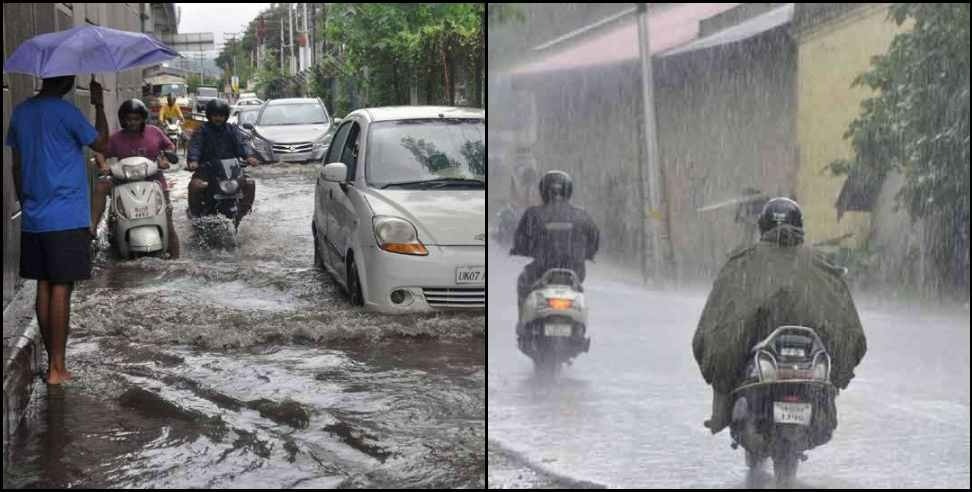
(86,49)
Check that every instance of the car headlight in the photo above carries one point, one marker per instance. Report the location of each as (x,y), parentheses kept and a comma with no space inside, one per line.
(322,143)
(258,142)
(397,235)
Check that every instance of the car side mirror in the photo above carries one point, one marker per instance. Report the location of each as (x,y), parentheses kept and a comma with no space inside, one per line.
(337,121)
(248,126)
(336,172)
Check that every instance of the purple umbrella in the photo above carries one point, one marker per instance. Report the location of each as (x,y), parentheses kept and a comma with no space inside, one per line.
(86,49)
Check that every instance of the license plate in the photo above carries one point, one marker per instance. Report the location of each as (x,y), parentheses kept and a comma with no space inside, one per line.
(140,213)
(792,352)
(470,275)
(557,329)
(791,413)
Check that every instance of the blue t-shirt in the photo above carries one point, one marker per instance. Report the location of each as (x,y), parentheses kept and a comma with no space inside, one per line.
(50,134)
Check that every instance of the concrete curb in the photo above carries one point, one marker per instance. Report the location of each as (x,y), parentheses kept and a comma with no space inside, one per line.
(23,354)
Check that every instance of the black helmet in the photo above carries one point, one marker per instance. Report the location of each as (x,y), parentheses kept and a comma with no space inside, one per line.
(217,106)
(780,211)
(556,184)
(132,106)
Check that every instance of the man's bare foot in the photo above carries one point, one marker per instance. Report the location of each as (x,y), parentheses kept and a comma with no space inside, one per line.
(57,377)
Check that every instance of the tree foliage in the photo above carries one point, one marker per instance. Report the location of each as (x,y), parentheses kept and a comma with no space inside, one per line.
(918,124)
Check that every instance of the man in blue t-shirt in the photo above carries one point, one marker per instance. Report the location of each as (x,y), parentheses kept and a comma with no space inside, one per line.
(47,135)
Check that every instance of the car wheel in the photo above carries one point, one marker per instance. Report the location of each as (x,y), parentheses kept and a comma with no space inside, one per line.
(354,284)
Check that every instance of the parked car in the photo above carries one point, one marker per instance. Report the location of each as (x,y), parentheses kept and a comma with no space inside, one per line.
(291,130)
(248,95)
(400,208)
(203,96)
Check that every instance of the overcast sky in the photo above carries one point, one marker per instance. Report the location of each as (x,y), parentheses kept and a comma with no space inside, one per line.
(217,18)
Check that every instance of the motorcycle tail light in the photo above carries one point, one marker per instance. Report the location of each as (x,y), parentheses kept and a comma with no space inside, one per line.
(792,399)
(821,367)
(767,367)
(559,304)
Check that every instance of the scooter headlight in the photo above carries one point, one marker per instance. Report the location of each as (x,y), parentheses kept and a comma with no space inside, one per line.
(229,187)
(767,367)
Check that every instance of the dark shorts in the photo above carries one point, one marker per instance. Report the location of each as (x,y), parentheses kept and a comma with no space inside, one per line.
(59,256)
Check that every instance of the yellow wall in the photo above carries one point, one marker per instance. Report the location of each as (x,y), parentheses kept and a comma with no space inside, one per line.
(830,57)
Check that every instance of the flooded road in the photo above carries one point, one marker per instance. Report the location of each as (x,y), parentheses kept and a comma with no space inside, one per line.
(241,365)
(629,413)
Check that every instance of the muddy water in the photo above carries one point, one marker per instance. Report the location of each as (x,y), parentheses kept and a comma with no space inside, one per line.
(241,365)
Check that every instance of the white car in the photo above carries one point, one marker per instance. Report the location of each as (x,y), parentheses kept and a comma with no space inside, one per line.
(246,103)
(400,208)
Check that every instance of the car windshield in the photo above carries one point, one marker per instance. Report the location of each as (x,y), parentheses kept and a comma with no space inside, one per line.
(248,116)
(207,92)
(434,151)
(177,90)
(293,114)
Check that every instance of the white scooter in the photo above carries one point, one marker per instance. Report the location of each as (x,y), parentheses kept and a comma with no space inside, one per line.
(553,321)
(137,217)
(173,130)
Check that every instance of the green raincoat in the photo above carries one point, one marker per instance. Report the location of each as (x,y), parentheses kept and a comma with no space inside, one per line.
(776,282)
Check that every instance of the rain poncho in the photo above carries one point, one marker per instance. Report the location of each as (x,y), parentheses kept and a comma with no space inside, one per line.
(776,282)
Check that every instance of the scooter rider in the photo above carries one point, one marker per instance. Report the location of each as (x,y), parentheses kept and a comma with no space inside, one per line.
(136,138)
(555,234)
(214,141)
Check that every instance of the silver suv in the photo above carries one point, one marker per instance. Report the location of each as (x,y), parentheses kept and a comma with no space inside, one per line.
(291,130)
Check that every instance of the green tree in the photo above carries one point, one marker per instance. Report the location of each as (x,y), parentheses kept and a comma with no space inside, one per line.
(389,48)
(918,124)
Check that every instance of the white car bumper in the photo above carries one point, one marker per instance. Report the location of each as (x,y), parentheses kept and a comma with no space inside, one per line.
(429,280)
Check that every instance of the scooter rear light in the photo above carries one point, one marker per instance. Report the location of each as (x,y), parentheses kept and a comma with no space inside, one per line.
(767,367)
(792,399)
(560,304)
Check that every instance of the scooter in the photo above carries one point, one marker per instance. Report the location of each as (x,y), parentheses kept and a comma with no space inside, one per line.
(785,402)
(137,216)
(173,130)
(553,321)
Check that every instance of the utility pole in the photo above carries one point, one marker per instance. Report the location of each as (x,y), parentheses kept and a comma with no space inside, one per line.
(290,15)
(281,45)
(650,184)
(311,38)
(307,44)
